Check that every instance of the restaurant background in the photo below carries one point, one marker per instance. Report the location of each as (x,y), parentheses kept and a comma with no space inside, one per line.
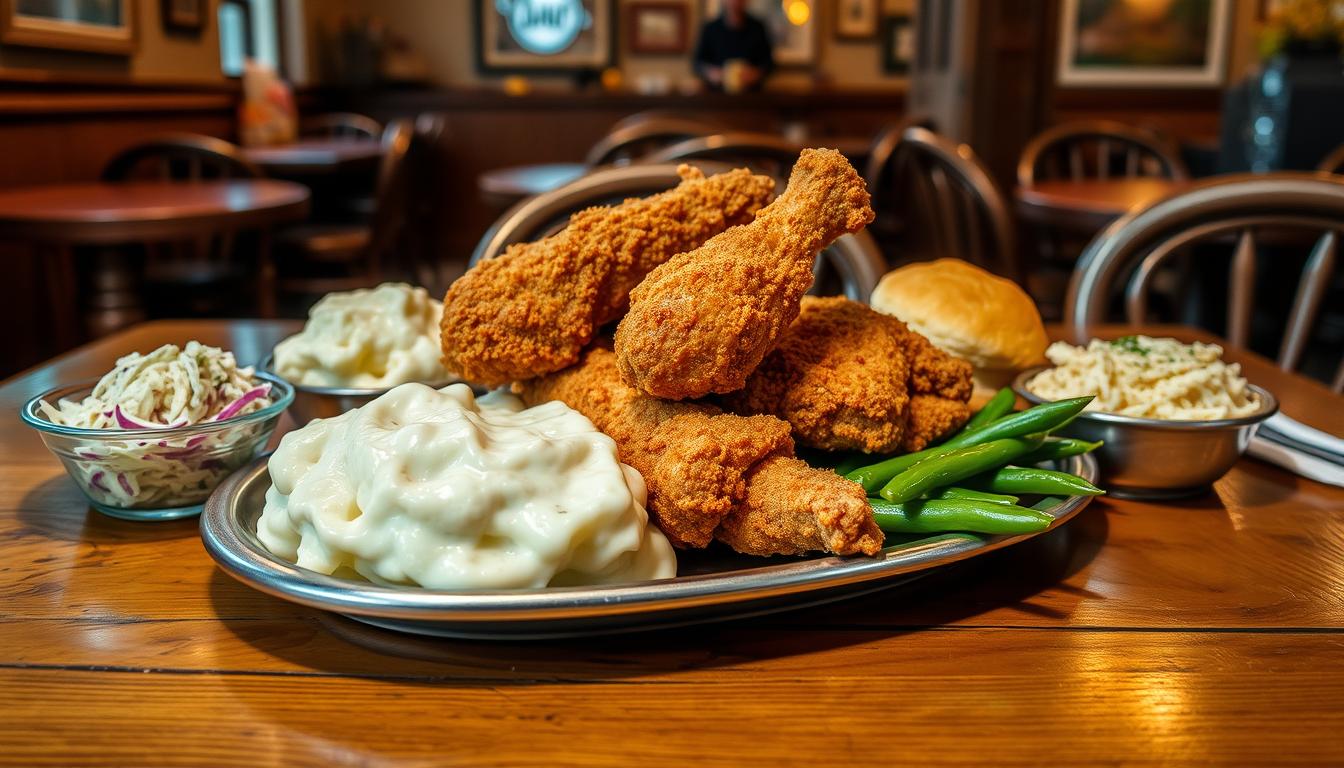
(63,114)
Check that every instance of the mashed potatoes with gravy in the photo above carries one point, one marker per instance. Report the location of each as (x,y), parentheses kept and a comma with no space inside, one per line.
(370,338)
(440,489)
(1148,378)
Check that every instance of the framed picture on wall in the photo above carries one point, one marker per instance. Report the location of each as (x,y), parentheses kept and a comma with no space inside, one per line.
(1121,43)
(654,27)
(184,15)
(898,45)
(856,19)
(792,26)
(543,35)
(97,26)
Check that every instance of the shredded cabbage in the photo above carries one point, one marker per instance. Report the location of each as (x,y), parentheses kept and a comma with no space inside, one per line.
(169,387)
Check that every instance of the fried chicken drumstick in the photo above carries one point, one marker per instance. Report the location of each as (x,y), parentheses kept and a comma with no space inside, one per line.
(531,310)
(715,475)
(846,377)
(702,321)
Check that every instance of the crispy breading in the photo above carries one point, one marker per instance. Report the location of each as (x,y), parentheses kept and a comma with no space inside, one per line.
(792,509)
(848,378)
(700,465)
(531,310)
(701,322)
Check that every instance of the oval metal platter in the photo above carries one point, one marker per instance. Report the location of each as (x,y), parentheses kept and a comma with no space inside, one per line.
(714,584)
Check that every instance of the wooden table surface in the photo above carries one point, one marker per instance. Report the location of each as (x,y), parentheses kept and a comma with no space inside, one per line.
(113,213)
(316,156)
(1206,631)
(1089,204)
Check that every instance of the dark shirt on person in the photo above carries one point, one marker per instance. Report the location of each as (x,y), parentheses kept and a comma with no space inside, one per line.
(720,43)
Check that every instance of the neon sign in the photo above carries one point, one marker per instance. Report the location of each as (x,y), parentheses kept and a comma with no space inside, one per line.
(545,27)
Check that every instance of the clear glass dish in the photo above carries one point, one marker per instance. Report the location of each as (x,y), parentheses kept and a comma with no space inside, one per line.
(155,474)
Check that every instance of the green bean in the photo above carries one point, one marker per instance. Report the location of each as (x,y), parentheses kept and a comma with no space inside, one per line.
(960,464)
(999,405)
(1023,480)
(874,476)
(1042,418)
(966,494)
(1059,448)
(941,516)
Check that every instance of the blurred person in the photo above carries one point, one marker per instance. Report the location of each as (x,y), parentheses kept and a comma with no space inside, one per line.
(734,51)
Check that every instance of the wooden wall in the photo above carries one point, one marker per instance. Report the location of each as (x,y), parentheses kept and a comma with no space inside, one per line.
(59,128)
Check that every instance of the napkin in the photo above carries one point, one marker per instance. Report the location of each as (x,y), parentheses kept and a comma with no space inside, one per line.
(1290,444)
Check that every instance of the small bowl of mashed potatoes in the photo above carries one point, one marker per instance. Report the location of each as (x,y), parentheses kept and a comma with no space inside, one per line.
(358,345)
(1172,417)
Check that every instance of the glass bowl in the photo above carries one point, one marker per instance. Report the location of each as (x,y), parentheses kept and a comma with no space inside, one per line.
(155,474)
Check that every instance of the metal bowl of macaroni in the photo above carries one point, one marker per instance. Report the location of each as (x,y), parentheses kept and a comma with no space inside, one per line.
(1172,417)
(358,345)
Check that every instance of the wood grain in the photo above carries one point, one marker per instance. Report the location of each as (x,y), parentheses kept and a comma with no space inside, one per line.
(1208,631)
(1213,711)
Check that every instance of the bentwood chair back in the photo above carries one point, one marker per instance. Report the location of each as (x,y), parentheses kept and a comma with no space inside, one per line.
(762,152)
(1243,207)
(853,263)
(341,257)
(879,170)
(952,208)
(341,125)
(1098,149)
(650,115)
(880,175)
(202,272)
(181,157)
(1333,162)
(631,142)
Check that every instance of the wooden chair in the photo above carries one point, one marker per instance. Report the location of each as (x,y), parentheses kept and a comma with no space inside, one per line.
(880,175)
(341,125)
(650,115)
(952,207)
(853,263)
(1243,207)
(762,152)
(181,157)
(207,274)
(1098,149)
(623,145)
(1333,162)
(340,257)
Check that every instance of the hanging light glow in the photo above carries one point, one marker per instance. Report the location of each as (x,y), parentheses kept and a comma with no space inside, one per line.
(797,11)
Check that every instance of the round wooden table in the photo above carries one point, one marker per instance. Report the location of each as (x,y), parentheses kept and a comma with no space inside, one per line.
(505,186)
(1088,205)
(310,157)
(55,218)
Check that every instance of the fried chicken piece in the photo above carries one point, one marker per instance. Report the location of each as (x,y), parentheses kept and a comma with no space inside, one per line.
(531,310)
(701,466)
(846,377)
(792,509)
(701,322)
(931,419)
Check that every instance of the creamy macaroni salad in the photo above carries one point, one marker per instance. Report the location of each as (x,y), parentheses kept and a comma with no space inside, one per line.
(1148,378)
(440,489)
(369,338)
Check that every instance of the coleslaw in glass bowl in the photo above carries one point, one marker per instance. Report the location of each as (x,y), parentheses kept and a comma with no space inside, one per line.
(152,438)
